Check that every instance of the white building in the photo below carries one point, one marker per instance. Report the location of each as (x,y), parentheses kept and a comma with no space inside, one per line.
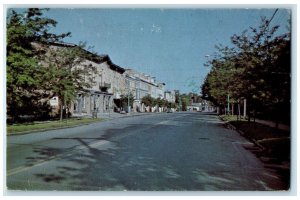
(105,94)
(169,96)
(141,85)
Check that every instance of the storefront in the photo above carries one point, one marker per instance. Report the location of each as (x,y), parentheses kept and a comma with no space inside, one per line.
(87,103)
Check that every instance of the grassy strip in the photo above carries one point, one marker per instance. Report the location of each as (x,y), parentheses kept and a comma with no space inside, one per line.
(276,143)
(38,126)
(230,118)
(255,131)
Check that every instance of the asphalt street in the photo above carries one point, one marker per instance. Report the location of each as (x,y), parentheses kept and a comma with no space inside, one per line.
(187,151)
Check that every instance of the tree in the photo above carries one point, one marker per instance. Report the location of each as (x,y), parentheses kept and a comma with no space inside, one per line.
(171,105)
(124,100)
(160,102)
(66,72)
(222,79)
(148,101)
(22,67)
(256,68)
(259,53)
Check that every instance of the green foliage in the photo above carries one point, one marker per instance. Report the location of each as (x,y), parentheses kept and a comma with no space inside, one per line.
(22,67)
(256,68)
(148,101)
(171,105)
(161,102)
(124,100)
(188,99)
(50,125)
(67,73)
(177,96)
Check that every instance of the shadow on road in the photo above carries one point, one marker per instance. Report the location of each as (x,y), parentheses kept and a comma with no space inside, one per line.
(93,164)
(112,161)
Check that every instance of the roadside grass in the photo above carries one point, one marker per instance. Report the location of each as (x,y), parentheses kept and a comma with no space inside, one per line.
(275,143)
(230,118)
(48,125)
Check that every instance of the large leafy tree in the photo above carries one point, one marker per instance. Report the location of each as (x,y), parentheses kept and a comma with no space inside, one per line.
(148,101)
(260,51)
(40,66)
(67,72)
(125,98)
(23,69)
(256,68)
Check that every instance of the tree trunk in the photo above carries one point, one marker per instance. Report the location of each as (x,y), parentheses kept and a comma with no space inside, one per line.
(66,107)
(232,109)
(239,111)
(61,108)
(237,114)
(245,108)
(249,116)
(61,112)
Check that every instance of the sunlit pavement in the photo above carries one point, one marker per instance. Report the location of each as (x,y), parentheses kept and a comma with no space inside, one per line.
(186,151)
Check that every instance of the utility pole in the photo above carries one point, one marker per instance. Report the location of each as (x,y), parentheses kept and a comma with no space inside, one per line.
(128,102)
(128,108)
(228,104)
(245,108)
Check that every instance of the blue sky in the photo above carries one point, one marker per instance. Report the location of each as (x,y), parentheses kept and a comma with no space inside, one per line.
(169,44)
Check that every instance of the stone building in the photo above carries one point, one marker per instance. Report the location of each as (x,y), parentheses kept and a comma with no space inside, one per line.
(141,85)
(111,82)
(104,96)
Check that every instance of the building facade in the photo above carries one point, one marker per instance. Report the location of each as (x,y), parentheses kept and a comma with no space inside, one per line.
(104,96)
(111,83)
(169,96)
(141,85)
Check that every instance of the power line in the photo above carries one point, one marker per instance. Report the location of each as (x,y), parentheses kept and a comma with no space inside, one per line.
(267,25)
(269,21)
(278,18)
(271,18)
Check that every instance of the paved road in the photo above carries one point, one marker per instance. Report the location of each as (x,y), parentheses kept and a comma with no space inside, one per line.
(170,151)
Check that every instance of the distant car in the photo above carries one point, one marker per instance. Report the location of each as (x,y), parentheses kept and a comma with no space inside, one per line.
(170,111)
(122,112)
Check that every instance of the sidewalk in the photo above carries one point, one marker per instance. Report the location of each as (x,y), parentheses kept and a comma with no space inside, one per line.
(273,124)
(66,124)
(114,115)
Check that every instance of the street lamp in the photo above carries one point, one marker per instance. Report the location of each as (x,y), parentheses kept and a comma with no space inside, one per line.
(128,105)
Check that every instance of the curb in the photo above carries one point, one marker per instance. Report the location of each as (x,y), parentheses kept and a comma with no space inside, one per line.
(58,128)
(136,115)
(50,129)
(242,133)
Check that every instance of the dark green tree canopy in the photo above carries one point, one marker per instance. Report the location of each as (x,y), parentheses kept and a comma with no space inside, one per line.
(148,101)
(37,68)
(22,67)
(124,99)
(256,68)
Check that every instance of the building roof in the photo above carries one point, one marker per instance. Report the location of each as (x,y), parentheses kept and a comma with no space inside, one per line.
(114,66)
(92,56)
